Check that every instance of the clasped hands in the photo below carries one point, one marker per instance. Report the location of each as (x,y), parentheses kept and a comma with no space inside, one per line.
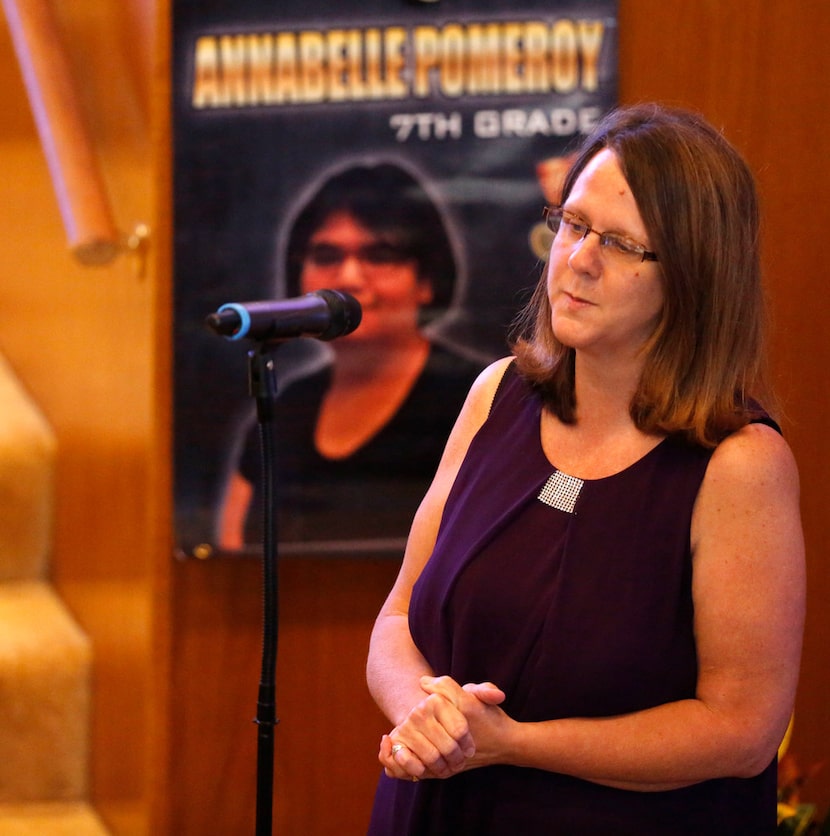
(451,729)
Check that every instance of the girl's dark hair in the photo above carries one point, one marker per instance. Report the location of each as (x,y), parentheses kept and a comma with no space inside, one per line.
(697,198)
(392,204)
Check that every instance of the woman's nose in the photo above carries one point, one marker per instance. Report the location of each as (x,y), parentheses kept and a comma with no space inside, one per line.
(586,254)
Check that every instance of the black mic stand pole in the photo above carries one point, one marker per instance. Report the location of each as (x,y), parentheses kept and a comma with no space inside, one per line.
(340,315)
(262,384)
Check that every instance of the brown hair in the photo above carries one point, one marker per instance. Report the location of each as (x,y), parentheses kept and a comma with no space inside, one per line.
(697,199)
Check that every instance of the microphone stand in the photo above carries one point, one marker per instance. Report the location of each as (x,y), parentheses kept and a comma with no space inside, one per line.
(325,314)
(262,385)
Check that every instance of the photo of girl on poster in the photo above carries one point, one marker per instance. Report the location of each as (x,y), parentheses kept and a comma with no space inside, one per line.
(358,437)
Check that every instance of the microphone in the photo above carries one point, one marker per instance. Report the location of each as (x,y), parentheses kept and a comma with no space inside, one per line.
(324,314)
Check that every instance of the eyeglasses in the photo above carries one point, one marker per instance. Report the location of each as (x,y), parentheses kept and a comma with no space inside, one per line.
(572,228)
(378,254)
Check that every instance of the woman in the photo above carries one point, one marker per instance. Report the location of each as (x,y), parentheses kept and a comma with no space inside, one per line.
(597,624)
(358,441)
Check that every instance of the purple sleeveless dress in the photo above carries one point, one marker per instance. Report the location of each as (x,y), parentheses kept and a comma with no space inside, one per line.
(574,598)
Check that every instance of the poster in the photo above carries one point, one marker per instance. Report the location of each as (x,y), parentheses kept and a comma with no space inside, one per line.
(459,115)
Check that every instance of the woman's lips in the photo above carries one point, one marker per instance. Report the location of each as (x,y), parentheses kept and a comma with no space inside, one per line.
(576,300)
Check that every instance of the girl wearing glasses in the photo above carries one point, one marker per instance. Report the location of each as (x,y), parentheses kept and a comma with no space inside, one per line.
(359,438)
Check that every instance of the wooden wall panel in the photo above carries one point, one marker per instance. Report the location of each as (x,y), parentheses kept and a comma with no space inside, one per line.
(326,742)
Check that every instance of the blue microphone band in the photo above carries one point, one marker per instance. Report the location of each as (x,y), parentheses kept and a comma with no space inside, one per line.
(244,317)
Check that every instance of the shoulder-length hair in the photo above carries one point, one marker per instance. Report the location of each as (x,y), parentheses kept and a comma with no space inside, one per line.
(697,198)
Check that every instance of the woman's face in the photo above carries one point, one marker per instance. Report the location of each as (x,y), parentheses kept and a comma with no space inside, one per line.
(603,302)
(345,255)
